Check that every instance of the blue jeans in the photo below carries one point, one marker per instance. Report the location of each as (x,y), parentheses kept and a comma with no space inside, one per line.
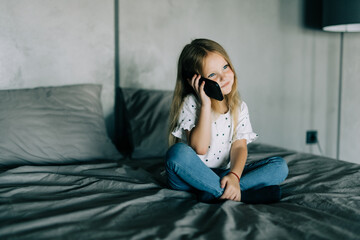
(186,172)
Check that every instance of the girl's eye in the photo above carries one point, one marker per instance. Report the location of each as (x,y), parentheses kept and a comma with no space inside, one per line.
(226,66)
(211,75)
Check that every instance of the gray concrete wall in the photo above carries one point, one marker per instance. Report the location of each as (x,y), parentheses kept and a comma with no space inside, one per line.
(51,43)
(350,104)
(288,74)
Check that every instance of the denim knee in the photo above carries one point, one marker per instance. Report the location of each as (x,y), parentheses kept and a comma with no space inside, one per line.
(179,153)
(281,167)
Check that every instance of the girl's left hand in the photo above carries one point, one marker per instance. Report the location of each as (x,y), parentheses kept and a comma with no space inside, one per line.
(232,188)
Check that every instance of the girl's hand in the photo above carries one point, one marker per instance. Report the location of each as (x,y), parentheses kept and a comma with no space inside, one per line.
(232,188)
(199,89)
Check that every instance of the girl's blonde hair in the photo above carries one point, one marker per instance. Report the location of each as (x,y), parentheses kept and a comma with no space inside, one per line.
(191,61)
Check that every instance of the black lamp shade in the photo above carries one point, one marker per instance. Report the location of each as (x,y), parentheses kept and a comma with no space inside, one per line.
(341,15)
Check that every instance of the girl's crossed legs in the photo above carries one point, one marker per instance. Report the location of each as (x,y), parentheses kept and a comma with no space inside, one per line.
(187,172)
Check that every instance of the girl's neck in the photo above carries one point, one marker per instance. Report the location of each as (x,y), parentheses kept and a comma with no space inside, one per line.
(224,107)
(221,107)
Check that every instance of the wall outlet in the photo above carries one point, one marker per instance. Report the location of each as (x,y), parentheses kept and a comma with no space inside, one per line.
(311,137)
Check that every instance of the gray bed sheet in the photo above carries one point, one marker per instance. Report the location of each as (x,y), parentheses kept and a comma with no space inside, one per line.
(129,200)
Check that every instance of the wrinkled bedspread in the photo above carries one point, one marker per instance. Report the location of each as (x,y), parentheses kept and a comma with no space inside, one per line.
(129,200)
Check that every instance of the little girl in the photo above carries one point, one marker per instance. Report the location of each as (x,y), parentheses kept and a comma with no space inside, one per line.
(209,138)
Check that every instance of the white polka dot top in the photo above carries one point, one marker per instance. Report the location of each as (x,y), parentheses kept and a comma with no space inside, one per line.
(218,155)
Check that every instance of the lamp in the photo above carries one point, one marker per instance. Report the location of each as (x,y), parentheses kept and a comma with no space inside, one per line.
(341,16)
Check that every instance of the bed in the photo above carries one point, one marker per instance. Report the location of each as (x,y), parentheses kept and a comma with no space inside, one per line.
(62,178)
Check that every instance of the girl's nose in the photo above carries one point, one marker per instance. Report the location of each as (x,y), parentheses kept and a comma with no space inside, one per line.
(221,77)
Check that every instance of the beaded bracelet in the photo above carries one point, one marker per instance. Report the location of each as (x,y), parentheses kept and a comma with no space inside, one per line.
(236,175)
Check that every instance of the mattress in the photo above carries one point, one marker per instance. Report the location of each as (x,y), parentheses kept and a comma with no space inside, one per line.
(129,199)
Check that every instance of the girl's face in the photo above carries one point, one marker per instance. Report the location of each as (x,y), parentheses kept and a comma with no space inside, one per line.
(216,68)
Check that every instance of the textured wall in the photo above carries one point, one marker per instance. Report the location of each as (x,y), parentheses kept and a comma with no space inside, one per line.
(288,73)
(350,110)
(48,43)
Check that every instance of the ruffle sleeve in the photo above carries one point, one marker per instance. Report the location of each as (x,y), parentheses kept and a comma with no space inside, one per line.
(243,128)
(187,117)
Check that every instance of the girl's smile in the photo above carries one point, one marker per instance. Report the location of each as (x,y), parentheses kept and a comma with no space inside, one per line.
(225,84)
(217,69)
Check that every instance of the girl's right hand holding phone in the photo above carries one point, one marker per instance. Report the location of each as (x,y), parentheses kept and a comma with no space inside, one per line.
(199,89)
(199,137)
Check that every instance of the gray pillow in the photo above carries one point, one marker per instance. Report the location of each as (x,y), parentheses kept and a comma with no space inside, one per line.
(147,116)
(52,125)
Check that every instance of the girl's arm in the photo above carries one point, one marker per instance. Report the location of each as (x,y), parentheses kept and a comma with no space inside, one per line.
(200,136)
(238,156)
(230,182)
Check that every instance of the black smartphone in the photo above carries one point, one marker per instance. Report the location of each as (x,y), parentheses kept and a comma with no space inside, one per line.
(212,89)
